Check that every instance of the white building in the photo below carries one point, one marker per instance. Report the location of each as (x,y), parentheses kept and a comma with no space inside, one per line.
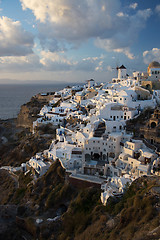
(156,167)
(154,71)
(116,112)
(122,72)
(114,187)
(135,159)
(69,155)
(91,83)
(40,167)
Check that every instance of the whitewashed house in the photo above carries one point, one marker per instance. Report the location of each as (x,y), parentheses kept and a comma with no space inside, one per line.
(135,158)
(116,112)
(114,187)
(39,166)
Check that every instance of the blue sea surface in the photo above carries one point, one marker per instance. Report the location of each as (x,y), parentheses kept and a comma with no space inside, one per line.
(13,96)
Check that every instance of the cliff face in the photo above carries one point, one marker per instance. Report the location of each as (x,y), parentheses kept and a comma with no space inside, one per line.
(29,112)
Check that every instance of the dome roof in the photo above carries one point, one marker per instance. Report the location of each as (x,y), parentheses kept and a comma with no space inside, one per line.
(154,65)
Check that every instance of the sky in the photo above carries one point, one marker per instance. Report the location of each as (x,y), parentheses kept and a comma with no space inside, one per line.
(72,41)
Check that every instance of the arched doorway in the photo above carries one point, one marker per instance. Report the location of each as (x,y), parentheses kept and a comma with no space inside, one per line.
(96,156)
(153,125)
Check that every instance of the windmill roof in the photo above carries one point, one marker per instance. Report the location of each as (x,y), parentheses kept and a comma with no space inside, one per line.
(122,67)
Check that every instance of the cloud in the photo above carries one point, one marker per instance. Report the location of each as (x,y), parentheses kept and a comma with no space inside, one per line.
(111,45)
(14,40)
(65,19)
(51,44)
(20,63)
(90,64)
(152,55)
(47,61)
(109,68)
(157,9)
(100,66)
(125,51)
(61,21)
(133,5)
(127,35)
(53,61)
(121,14)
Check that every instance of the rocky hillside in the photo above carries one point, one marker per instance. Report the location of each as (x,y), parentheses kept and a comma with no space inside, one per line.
(18,145)
(52,208)
(29,112)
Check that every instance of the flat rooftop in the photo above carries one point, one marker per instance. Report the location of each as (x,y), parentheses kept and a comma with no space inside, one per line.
(87,178)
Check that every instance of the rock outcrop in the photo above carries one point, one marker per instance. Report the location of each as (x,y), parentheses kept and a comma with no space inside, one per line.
(29,111)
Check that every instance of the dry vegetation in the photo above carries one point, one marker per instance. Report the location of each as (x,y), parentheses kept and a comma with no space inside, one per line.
(83,217)
(7,187)
(22,150)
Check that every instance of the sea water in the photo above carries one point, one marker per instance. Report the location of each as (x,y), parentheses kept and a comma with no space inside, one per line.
(13,96)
